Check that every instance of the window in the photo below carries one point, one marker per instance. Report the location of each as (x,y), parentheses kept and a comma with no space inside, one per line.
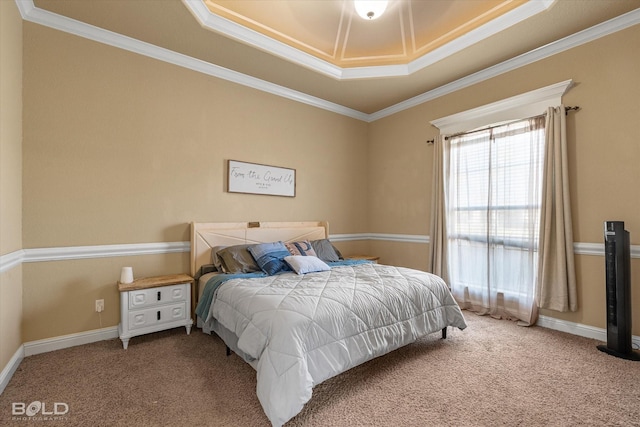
(486,207)
(493,195)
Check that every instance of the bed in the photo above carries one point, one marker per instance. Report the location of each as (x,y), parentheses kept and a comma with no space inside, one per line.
(313,317)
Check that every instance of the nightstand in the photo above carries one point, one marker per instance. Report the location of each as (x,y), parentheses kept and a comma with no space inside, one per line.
(153,304)
(367,257)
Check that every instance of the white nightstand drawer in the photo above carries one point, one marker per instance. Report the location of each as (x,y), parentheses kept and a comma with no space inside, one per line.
(152,304)
(158,296)
(157,315)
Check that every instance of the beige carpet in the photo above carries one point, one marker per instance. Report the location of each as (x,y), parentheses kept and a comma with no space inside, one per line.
(492,374)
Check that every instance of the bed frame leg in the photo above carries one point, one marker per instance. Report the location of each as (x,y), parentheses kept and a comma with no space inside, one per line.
(228,351)
(444,333)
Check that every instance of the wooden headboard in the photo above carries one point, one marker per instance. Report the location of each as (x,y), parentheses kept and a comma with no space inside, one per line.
(206,235)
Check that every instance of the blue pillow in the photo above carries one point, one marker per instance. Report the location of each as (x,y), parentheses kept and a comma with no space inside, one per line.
(270,257)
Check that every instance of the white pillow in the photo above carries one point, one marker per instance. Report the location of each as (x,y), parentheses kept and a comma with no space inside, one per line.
(302,264)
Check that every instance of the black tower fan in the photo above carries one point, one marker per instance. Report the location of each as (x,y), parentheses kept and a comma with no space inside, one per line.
(617,248)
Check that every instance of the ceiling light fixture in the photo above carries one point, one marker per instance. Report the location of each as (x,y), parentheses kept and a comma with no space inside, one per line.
(370,9)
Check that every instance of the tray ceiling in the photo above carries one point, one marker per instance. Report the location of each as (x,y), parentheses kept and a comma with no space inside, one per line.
(331,31)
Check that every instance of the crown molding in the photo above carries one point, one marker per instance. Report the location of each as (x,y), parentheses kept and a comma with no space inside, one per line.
(213,22)
(33,14)
(603,29)
(221,25)
(485,31)
(52,20)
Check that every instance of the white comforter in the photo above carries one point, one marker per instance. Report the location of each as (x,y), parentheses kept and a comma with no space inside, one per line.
(306,329)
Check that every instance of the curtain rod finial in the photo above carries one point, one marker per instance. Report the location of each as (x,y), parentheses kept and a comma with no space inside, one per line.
(567,109)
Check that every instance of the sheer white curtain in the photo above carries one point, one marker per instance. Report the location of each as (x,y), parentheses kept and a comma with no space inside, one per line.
(493,184)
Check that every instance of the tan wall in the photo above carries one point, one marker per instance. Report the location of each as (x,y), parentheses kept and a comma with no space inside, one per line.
(120,148)
(10,128)
(11,313)
(10,176)
(603,149)
(61,295)
(412,255)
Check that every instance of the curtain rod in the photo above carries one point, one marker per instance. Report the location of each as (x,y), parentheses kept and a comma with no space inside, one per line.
(566,111)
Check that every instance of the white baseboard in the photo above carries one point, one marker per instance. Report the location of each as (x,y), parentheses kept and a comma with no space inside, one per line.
(580,329)
(10,369)
(65,341)
(51,344)
(71,340)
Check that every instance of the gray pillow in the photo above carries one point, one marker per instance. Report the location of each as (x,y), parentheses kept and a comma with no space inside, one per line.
(215,259)
(237,259)
(325,250)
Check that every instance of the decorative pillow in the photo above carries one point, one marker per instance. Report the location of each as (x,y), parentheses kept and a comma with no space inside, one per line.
(300,248)
(302,264)
(215,259)
(237,259)
(325,250)
(270,257)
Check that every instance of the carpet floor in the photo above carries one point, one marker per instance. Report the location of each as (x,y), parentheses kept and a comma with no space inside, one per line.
(494,373)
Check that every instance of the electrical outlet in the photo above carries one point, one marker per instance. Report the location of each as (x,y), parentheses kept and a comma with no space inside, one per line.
(99,305)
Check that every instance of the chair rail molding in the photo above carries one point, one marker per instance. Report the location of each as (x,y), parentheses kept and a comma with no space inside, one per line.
(14,259)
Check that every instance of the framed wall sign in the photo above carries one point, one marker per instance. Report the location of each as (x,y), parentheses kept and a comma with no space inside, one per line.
(253,178)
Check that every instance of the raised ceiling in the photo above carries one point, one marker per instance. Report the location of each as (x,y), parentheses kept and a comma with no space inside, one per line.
(319,49)
(331,31)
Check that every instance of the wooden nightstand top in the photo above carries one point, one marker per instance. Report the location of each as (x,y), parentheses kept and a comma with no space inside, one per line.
(152,282)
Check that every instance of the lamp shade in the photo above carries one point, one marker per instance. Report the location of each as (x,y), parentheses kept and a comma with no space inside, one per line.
(370,9)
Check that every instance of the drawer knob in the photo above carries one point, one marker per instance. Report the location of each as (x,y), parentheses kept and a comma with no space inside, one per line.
(158,313)
(159,295)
